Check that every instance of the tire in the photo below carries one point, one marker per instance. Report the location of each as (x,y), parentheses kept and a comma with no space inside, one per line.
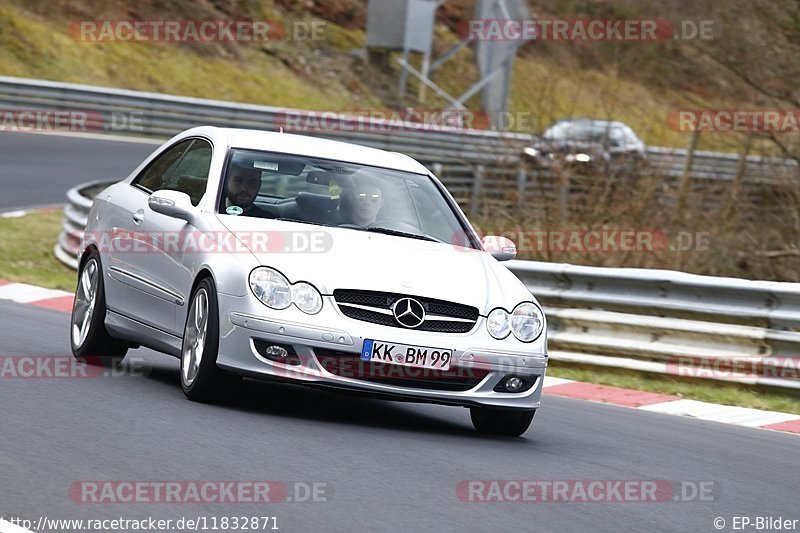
(89,339)
(510,422)
(201,379)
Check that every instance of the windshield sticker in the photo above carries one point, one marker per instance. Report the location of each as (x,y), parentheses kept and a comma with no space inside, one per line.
(266,165)
(234,210)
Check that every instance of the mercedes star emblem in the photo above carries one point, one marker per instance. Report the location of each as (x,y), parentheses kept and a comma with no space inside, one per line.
(408,312)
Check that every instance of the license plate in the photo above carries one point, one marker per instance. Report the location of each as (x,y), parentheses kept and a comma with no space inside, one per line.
(403,354)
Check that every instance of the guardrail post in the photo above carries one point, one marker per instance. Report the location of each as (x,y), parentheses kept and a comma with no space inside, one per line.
(522,182)
(564,180)
(683,188)
(475,196)
(731,199)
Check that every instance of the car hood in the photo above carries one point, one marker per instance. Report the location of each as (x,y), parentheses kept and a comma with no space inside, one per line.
(352,259)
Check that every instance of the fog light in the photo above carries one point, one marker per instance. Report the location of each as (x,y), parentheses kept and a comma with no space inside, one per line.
(276,353)
(514,384)
(280,353)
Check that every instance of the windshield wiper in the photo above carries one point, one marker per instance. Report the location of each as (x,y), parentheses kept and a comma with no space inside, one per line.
(302,221)
(389,231)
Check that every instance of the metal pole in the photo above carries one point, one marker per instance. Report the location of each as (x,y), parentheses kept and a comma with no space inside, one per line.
(683,188)
(475,197)
(733,197)
(563,195)
(417,74)
(426,66)
(403,75)
(522,181)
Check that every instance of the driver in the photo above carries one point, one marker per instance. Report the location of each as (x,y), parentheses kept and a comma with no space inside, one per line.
(242,189)
(361,204)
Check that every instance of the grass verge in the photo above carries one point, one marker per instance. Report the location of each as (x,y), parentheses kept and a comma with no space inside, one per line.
(772,399)
(26,251)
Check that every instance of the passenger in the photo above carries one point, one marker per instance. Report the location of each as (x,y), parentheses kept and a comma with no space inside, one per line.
(242,189)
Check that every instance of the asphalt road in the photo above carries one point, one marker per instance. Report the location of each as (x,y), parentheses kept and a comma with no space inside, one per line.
(38,169)
(389,466)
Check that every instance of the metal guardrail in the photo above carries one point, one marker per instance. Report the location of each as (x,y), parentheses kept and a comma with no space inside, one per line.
(162,115)
(646,320)
(670,322)
(470,160)
(483,170)
(665,293)
(79,202)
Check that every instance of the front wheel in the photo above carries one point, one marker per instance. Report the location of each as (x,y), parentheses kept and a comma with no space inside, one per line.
(511,422)
(201,379)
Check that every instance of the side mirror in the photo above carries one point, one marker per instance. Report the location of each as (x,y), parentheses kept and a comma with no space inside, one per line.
(174,204)
(501,248)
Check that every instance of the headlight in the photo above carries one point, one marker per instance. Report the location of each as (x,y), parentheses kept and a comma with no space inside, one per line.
(275,291)
(306,298)
(526,322)
(271,287)
(498,324)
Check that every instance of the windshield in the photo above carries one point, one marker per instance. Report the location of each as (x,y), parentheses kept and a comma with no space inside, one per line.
(334,193)
(590,131)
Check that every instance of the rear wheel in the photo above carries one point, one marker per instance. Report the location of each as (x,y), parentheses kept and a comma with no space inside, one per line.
(201,379)
(89,339)
(511,422)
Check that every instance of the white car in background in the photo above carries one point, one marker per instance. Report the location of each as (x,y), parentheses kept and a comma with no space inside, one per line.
(282,257)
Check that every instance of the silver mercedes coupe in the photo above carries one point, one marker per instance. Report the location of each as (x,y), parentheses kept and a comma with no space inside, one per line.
(284,257)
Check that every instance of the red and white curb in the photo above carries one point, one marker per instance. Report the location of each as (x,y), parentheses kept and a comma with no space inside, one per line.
(647,401)
(38,296)
(673,405)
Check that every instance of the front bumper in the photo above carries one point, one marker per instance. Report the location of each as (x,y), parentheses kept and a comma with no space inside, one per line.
(328,346)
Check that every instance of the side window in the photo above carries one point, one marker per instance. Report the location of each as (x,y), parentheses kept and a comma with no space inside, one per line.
(190,175)
(156,175)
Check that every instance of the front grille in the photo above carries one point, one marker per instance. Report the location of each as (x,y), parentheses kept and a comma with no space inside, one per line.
(350,365)
(369,316)
(352,304)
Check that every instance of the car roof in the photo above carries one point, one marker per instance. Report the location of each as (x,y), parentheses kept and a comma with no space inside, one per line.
(304,145)
(590,120)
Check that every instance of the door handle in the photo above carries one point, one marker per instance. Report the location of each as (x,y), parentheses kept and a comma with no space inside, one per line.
(138,216)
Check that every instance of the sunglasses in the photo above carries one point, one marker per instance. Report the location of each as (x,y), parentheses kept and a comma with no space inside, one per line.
(373,197)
